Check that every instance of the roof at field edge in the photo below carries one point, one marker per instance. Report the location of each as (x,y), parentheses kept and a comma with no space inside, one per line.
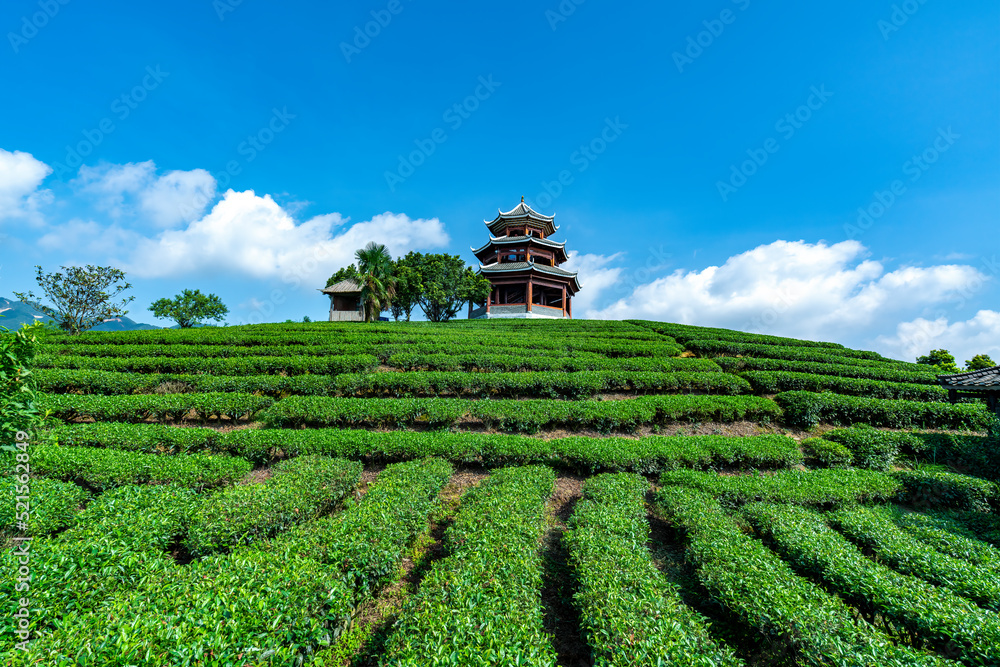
(984,378)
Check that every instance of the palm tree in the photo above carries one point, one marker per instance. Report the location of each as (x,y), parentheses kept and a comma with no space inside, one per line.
(375,276)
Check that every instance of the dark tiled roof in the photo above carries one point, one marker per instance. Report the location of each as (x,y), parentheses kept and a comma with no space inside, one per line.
(504,267)
(520,212)
(983,379)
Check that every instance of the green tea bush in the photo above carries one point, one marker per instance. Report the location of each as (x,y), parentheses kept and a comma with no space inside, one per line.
(949,490)
(946,620)
(162,407)
(106,468)
(249,365)
(17,392)
(149,438)
(686,332)
(872,448)
(481,605)
(805,409)
(949,537)
(299,490)
(628,611)
(884,373)
(874,528)
(774,382)
(816,487)
(979,454)
(827,453)
(45,505)
(752,582)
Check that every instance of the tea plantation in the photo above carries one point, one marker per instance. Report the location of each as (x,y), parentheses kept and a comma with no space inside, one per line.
(501,492)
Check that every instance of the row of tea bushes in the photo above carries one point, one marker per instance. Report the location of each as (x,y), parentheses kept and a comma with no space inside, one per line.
(45,505)
(805,409)
(512,415)
(949,622)
(628,612)
(289,365)
(648,454)
(873,528)
(481,605)
(161,407)
(718,348)
(687,332)
(493,363)
(884,373)
(298,490)
(752,582)
(774,382)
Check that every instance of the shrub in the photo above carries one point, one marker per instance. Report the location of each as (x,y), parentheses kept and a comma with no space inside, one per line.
(806,409)
(872,448)
(45,505)
(170,407)
(827,453)
(629,613)
(299,490)
(948,490)
(773,382)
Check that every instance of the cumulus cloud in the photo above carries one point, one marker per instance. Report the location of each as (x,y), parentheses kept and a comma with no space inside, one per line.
(246,235)
(964,339)
(135,190)
(794,288)
(21,176)
(596,277)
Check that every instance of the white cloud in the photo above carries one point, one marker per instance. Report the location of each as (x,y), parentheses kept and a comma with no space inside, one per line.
(20,177)
(134,190)
(794,288)
(246,235)
(595,278)
(979,335)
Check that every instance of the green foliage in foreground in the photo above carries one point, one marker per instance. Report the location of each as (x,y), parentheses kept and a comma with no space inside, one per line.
(629,613)
(481,605)
(755,584)
(46,505)
(510,415)
(948,621)
(872,448)
(949,537)
(817,487)
(805,409)
(949,490)
(17,391)
(298,490)
(826,453)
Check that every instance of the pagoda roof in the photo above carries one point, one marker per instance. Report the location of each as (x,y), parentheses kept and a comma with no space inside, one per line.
(521,212)
(346,286)
(985,379)
(514,267)
(560,247)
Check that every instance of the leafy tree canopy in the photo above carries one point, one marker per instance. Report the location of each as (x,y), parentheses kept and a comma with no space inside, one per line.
(342,274)
(81,296)
(979,362)
(189,308)
(408,289)
(447,283)
(942,359)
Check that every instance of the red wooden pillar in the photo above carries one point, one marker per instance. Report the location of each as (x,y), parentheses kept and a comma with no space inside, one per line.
(564,300)
(529,294)
(569,307)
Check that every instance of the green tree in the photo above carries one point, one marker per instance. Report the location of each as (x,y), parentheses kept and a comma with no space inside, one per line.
(942,359)
(375,277)
(342,274)
(189,308)
(979,362)
(448,284)
(408,288)
(81,297)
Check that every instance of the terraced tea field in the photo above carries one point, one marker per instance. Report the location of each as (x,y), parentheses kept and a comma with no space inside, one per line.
(499,493)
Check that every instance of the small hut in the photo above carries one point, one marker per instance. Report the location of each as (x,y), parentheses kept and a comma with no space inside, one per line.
(345,301)
(984,383)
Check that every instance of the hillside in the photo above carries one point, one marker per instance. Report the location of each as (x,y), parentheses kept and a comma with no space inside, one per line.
(479,493)
(13,314)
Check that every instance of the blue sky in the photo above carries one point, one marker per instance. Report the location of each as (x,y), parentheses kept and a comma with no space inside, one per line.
(713,157)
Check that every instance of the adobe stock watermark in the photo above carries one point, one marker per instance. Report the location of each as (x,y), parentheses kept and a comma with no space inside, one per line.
(697,43)
(30,25)
(581,158)
(562,12)
(455,116)
(250,148)
(900,14)
(913,169)
(787,126)
(364,34)
(22,543)
(121,108)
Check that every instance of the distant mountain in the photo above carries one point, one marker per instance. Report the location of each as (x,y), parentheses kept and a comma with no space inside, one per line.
(15,313)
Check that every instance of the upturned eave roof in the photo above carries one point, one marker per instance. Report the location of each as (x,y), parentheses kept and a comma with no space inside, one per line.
(985,379)
(521,212)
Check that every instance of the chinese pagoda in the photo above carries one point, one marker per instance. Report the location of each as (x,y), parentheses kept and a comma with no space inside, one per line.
(522,264)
